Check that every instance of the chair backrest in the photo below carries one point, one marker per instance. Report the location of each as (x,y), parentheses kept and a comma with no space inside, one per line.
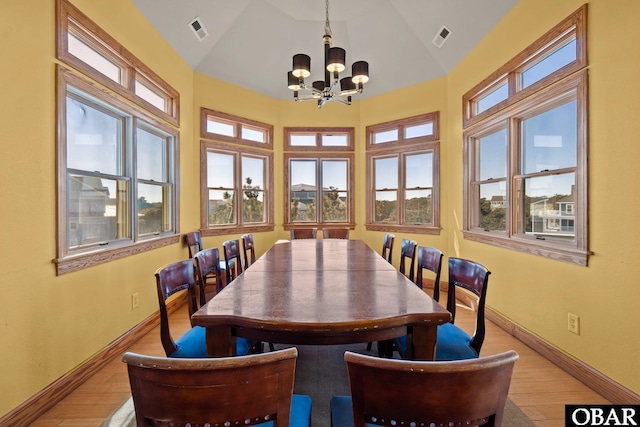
(231,250)
(429,259)
(387,246)
(408,251)
(207,264)
(335,233)
(175,277)
(194,243)
(403,393)
(303,233)
(214,391)
(248,250)
(472,277)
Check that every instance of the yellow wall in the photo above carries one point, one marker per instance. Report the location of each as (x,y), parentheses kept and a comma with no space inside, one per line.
(535,292)
(51,324)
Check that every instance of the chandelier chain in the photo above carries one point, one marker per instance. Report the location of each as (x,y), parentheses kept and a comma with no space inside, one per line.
(327,27)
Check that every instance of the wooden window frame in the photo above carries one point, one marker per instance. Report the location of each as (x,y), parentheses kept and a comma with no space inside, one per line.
(319,157)
(68,261)
(238,147)
(318,133)
(572,27)
(238,124)
(70,20)
(401,148)
(565,84)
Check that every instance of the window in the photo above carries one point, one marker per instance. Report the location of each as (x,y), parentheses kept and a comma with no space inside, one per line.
(117,149)
(116,177)
(526,160)
(237,130)
(318,139)
(556,55)
(237,179)
(83,45)
(403,175)
(319,177)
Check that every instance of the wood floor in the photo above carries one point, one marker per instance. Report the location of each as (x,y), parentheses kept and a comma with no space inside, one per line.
(538,387)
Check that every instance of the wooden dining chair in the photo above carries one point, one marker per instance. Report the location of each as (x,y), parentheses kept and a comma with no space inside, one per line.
(193,241)
(303,233)
(248,250)
(252,390)
(207,265)
(453,342)
(389,392)
(408,252)
(387,246)
(335,233)
(232,259)
(429,259)
(384,347)
(426,259)
(170,279)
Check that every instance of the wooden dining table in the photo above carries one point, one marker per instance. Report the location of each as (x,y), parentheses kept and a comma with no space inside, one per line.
(325,291)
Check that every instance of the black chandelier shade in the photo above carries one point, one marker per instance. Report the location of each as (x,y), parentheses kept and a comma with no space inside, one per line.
(332,88)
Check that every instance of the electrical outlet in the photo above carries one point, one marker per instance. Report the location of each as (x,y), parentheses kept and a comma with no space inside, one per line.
(135,300)
(574,323)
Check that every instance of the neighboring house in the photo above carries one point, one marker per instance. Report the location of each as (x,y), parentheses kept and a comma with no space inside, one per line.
(555,219)
(498,202)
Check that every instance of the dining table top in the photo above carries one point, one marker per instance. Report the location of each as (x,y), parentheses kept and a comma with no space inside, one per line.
(324,291)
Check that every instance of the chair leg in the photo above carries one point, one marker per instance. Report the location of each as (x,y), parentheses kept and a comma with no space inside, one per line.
(271,347)
(368,346)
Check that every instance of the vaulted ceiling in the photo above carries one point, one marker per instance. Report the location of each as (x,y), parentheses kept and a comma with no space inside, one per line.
(250,43)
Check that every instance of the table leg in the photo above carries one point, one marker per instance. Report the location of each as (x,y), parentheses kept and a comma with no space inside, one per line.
(424,342)
(220,342)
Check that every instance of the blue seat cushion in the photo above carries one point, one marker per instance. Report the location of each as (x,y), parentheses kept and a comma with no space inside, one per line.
(300,415)
(193,344)
(223,264)
(342,412)
(452,344)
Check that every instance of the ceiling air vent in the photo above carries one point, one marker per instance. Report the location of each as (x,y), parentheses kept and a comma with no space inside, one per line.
(198,29)
(442,36)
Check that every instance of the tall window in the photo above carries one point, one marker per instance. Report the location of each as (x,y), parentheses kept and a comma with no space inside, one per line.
(526,157)
(86,47)
(116,168)
(403,170)
(237,180)
(319,177)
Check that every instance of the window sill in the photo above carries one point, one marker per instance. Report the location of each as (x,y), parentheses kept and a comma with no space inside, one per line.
(414,229)
(544,249)
(234,229)
(101,256)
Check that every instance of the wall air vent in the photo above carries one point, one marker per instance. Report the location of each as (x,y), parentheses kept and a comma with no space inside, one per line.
(442,36)
(198,29)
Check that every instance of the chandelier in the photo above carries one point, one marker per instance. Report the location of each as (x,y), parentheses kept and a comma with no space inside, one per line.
(332,88)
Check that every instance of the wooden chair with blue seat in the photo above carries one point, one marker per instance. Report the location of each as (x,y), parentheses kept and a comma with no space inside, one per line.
(207,265)
(391,392)
(303,233)
(430,259)
(335,233)
(454,343)
(248,249)
(171,279)
(254,390)
(387,246)
(194,244)
(408,252)
(232,259)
